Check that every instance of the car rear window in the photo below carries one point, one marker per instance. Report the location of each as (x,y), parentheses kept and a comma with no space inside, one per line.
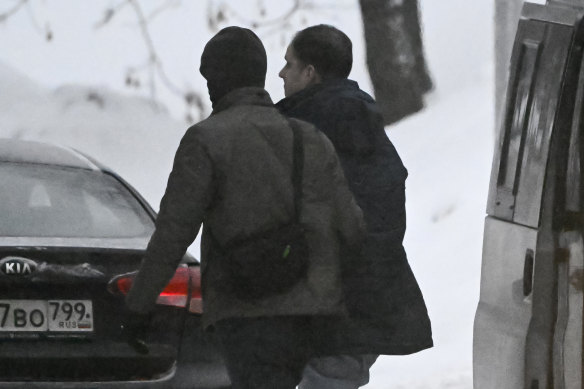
(46,201)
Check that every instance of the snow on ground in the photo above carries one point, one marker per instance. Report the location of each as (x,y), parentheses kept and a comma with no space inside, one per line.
(68,92)
(448,157)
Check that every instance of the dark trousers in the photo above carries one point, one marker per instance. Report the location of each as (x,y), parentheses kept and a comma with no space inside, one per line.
(267,352)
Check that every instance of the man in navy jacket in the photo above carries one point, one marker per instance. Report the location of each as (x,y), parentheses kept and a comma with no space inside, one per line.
(387,311)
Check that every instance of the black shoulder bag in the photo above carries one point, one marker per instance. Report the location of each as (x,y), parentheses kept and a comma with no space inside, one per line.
(270,262)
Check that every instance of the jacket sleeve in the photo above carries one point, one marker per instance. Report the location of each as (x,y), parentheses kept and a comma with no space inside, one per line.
(188,194)
(348,219)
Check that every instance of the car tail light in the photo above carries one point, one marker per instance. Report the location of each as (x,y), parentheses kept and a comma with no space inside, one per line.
(183,288)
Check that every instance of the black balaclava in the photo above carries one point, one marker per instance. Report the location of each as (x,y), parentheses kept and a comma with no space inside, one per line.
(234,58)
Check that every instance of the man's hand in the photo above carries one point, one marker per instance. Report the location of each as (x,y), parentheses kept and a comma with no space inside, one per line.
(134,329)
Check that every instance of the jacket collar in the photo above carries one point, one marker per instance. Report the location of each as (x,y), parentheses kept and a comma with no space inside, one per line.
(244,96)
(289,102)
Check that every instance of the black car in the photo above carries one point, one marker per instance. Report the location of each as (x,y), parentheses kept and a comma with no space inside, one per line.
(72,233)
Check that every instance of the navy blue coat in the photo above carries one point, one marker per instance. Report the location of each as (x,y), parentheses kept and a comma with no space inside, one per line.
(387,311)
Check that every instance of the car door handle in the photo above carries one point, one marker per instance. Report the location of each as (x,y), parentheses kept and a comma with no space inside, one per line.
(528,272)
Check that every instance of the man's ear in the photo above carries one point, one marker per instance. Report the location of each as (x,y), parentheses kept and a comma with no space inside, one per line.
(312,75)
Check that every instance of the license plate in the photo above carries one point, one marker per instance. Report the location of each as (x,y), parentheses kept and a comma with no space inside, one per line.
(46,316)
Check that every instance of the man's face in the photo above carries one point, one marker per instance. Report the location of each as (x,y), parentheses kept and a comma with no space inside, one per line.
(296,75)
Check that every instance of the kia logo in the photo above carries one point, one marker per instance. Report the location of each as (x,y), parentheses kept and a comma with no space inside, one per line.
(17,266)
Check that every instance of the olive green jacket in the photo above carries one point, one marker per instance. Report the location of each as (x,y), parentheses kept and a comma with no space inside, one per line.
(232,173)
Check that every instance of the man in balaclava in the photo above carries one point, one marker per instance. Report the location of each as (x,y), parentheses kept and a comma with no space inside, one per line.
(233,174)
(232,59)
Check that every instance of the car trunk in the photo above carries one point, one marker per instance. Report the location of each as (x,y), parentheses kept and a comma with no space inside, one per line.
(58,322)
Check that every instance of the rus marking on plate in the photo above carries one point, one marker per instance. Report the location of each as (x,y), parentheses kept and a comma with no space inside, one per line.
(70,316)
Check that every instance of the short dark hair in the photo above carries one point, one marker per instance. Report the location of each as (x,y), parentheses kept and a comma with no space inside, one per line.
(326,48)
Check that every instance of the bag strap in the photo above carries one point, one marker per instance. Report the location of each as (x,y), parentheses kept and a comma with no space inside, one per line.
(298,167)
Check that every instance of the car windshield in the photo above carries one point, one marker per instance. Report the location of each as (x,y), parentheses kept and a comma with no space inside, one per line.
(47,201)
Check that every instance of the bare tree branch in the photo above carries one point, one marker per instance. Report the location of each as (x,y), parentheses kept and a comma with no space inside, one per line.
(109,15)
(154,64)
(219,15)
(167,5)
(46,31)
(152,54)
(11,11)
(219,12)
